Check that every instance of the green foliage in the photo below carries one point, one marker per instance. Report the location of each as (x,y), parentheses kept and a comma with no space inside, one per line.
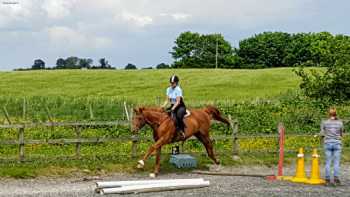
(104,64)
(193,50)
(267,49)
(85,63)
(332,84)
(162,66)
(276,49)
(38,64)
(130,67)
(72,63)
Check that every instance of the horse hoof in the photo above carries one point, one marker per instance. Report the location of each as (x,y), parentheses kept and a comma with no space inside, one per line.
(152,175)
(140,164)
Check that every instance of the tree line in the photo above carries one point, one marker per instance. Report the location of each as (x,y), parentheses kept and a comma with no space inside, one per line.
(70,63)
(82,63)
(264,50)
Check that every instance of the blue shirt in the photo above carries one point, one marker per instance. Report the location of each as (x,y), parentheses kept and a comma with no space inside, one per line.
(172,93)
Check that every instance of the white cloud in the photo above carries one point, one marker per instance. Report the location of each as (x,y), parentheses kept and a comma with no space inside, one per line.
(177,16)
(136,19)
(57,9)
(180,16)
(66,38)
(94,25)
(18,12)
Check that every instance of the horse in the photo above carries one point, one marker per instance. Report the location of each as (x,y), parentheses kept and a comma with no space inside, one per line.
(164,130)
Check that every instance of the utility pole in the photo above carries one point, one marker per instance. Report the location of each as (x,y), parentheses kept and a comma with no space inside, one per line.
(216,53)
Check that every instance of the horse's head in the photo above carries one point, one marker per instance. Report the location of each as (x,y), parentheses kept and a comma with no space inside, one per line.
(138,120)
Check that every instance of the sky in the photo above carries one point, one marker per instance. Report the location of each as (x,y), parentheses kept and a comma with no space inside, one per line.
(142,32)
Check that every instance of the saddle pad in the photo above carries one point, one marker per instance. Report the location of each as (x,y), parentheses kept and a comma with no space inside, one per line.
(188,113)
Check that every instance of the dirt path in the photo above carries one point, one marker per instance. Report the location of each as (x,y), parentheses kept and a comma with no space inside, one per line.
(219,185)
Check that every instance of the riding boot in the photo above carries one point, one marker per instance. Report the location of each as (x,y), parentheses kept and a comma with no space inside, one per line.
(182,129)
(181,132)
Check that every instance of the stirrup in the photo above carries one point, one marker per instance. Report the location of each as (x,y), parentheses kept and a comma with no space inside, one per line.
(183,135)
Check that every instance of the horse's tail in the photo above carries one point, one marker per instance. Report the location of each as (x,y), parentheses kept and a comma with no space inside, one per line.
(216,115)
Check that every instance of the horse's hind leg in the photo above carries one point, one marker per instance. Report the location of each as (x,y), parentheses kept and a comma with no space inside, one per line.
(208,146)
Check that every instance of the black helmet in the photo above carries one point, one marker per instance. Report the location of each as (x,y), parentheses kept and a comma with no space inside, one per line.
(174,78)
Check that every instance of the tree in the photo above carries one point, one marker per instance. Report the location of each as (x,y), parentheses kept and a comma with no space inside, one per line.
(186,49)
(333,84)
(60,63)
(85,63)
(162,66)
(38,64)
(268,49)
(341,50)
(72,63)
(130,67)
(104,63)
(321,49)
(299,51)
(193,50)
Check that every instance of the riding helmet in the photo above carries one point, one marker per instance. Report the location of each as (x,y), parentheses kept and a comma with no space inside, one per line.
(174,79)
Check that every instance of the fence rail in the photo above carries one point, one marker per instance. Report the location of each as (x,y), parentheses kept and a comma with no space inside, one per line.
(134,139)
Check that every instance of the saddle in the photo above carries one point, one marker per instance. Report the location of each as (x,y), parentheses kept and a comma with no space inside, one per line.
(178,137)
(188,113)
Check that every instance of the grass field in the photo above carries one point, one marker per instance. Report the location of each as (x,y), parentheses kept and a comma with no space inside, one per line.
(68,94)
(146,85)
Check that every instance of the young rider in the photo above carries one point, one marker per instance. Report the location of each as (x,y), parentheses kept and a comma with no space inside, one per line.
(177,108)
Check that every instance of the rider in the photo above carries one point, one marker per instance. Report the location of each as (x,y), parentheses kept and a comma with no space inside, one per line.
(177,108)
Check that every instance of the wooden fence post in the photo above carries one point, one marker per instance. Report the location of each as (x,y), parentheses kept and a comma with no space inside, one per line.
(235,145)
(91,112)
(78,143)
(126,111)
(281,132)
(24,108)
(134,138)
(158,100)
(6,115)
(50,117)
(21,143)
(48,113)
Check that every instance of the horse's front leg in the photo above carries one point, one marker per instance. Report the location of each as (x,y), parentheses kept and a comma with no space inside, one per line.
(155,146)
(157,167)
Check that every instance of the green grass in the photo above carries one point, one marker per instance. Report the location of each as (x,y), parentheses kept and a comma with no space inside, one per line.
(105,158)
(68,94)
(146,85)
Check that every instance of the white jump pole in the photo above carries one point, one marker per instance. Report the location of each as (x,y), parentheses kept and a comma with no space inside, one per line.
(154,187)
(109,184)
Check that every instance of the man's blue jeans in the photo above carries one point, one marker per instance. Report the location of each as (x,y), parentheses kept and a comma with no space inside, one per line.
(333,153)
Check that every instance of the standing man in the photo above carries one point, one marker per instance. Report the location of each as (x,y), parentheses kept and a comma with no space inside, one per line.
(331,133)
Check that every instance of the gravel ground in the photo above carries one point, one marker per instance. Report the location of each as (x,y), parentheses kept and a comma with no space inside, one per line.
(219,185)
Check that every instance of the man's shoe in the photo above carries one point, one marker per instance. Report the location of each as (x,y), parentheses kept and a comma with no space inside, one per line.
(337,181)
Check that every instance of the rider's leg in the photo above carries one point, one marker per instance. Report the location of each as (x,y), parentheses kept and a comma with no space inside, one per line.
(180,113)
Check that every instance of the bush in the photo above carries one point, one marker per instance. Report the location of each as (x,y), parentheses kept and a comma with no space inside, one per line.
(130,67)
(333,84)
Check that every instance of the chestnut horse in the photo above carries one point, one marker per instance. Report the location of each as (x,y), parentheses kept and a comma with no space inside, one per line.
(164,132)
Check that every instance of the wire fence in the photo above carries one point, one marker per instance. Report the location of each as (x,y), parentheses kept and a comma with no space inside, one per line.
(54,129)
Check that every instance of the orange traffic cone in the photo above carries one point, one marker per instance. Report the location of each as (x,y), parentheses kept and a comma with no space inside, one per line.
(300,176)
(315,170)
